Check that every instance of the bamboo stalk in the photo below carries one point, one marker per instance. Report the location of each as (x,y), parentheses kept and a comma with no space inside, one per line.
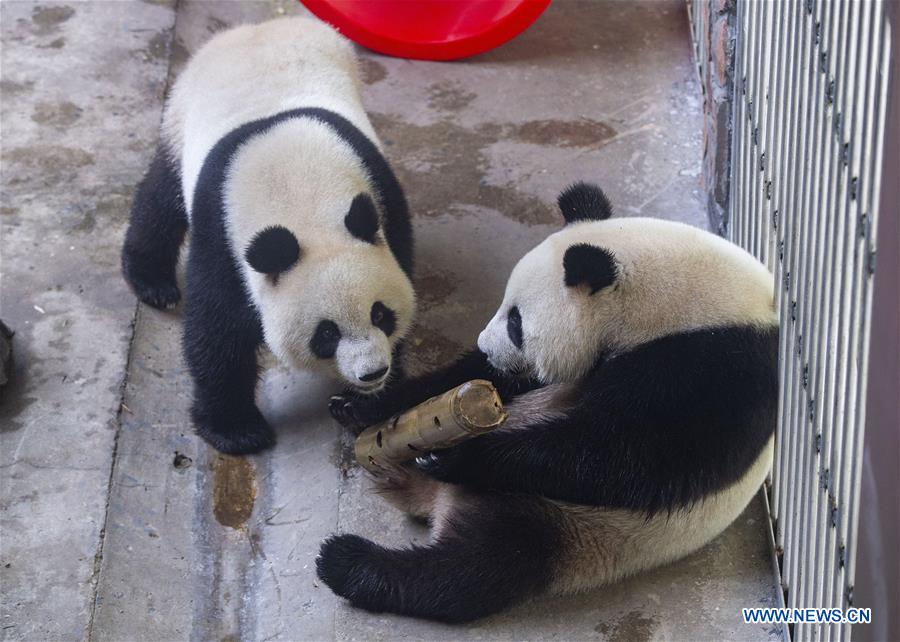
(466,411)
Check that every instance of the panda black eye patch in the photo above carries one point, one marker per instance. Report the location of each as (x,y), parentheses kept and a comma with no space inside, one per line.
(362,219)
(383,318)
(273,250)
(514,326)
(325,339)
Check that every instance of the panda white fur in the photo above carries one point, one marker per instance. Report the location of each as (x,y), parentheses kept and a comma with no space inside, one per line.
(638,361)
(300,233)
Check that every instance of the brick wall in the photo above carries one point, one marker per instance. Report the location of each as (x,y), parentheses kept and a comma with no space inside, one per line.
(712,26)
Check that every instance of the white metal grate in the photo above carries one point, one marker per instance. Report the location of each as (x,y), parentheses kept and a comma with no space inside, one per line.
(809,106)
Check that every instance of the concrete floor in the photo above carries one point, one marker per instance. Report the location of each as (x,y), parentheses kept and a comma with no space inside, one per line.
(117,522)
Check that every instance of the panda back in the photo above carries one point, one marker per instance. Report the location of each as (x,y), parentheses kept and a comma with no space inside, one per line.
(253,72)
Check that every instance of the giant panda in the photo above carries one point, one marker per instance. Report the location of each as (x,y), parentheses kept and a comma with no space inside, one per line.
(300,233)
(637,358)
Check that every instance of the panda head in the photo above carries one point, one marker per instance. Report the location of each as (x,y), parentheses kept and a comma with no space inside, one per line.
(338,303)
(600,286)
(307,235)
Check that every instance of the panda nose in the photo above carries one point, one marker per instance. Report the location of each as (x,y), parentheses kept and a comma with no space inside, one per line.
(372,376)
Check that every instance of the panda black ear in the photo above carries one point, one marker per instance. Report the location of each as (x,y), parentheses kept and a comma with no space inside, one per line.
(589,264)
(362,220)
(273,250)
(583,202)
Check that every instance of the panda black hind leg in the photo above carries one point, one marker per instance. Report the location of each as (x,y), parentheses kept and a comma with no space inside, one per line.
(155,234)
(490,551)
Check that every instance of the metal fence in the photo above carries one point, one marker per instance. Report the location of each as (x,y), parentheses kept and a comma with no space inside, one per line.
(809,114)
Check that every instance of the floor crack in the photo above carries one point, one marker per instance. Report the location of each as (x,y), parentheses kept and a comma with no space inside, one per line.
(98,556)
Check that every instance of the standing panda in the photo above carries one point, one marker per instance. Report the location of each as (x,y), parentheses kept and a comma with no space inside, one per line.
(638,361)
(300,234)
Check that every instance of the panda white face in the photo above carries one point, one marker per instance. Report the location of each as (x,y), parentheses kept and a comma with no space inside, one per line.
(599,287)
(551,322)
(341,314)
(329,291)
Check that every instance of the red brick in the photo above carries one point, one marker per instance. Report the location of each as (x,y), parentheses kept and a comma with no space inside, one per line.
(721,50)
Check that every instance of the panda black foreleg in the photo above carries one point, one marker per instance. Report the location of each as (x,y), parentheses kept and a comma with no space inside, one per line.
(155,234)
(358,411)
(221,338)
(564,458)
(493,551)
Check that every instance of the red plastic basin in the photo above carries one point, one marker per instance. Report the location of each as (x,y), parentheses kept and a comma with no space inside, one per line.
(429,29)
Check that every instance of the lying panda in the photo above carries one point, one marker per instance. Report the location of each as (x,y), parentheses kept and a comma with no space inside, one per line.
(300,234)
(638,361)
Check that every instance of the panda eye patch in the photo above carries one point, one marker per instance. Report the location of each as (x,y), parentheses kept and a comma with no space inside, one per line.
(514,326)
(272,251)
(362,220)
(383,318)
(325,339)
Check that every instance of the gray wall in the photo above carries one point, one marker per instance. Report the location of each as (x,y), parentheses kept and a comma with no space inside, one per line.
(878,564)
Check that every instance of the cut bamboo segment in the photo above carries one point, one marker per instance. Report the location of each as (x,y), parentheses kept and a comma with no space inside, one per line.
(466,411)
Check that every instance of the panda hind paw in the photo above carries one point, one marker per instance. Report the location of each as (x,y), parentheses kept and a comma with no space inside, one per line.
(345,565)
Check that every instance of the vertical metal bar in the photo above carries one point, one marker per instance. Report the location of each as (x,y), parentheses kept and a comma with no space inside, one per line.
(752,100)
(810,104)
(864,81)
(787,286)
(810,324)
(873,202)
(799,411)
(775,134)
(755,74)
(830,562)
(828,281)
(761,104)
(753,122)
(749,81)
(787,283)
(764,161)
(780,178)
(791,339)
(741,90)
(740,125)
(791,79)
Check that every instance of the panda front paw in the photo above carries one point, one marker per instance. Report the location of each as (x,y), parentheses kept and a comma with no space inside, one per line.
(164,296)
(341,408)
(157,291)
(444,465)
(239,434)
(354,411)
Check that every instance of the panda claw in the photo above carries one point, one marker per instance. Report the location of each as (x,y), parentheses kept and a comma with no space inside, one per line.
(434,465)
(425,462)
(340,409)
(443,465)
(343,409)
(156,289)
(162,296)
